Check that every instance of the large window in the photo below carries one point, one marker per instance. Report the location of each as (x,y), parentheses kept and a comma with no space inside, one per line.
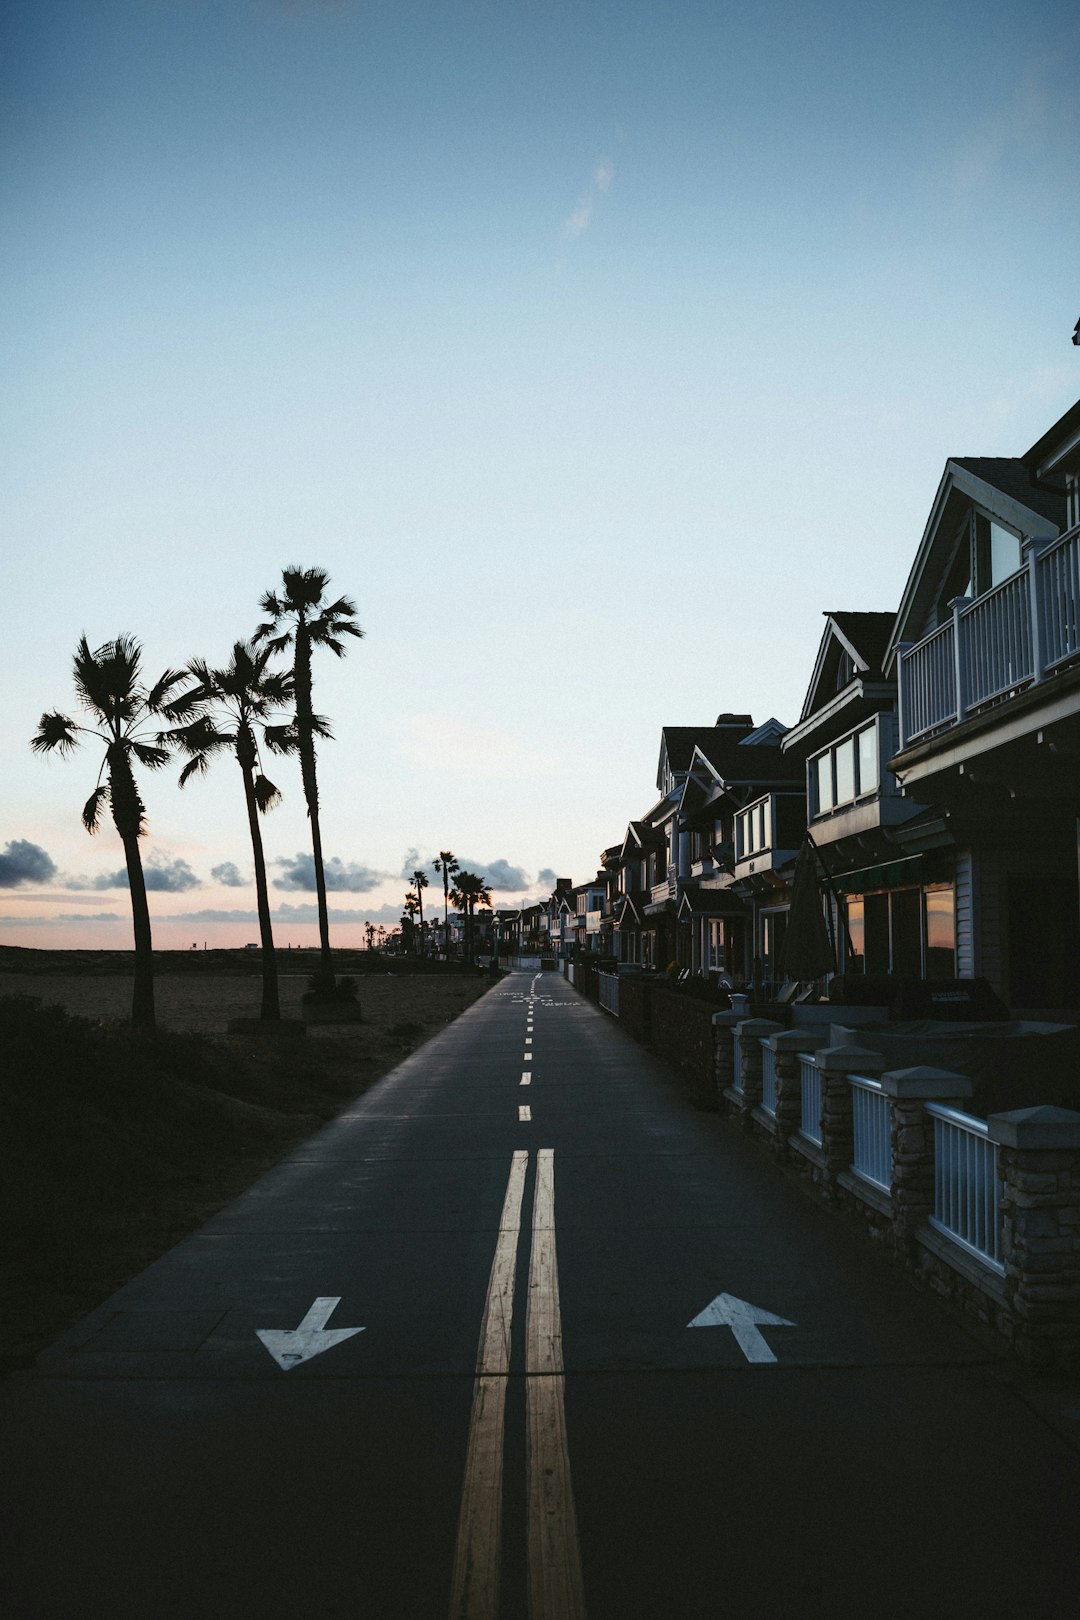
(845,772)
(908,932)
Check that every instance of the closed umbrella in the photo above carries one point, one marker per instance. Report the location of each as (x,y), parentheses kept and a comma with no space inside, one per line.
(807,951)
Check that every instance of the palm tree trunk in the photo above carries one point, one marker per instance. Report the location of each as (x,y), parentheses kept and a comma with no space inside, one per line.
(271,1006)
(127,813)
(306,738)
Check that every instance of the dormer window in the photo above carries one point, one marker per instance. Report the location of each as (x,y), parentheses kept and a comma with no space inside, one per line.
(845,669)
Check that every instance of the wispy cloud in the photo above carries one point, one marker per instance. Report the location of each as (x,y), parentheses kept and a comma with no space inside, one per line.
(600,180)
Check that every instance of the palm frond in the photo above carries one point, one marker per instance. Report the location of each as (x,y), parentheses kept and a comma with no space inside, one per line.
(91,811)
(162,687)
(282,739)
(320,727)
(149,755)
(197,765)
(266,794)
(55,731)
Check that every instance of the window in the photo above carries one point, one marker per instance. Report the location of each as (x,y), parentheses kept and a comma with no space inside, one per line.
(910,932)
(997,553)
(753,829)
(716,944)
(846,771)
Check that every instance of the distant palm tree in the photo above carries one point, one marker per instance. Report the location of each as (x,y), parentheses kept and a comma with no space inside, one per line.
(408,921)
(309,621)
(108,687)
(223,708)
(420,883)
(448,866)
(468,892)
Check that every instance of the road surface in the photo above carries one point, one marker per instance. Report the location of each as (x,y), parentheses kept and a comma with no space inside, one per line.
(521,1334)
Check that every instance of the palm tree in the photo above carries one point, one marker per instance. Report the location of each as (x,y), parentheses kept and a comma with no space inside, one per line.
(448,866)
(300,617)
(468,892)
(408,921)
(108,688)
(225,706)
(420,883)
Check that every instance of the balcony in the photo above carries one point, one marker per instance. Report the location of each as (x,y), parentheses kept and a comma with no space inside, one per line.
(1013,637)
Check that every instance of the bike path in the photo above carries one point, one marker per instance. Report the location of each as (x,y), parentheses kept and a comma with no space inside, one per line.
(160,1461)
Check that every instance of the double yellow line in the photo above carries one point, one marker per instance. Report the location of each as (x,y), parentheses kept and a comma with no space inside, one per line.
(554,1569)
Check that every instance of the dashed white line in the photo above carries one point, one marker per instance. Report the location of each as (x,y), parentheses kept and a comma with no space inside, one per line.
(526,1078)
(524,1114)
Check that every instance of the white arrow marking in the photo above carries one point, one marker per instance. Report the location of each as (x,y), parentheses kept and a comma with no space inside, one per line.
(743,1319)
(290,1346)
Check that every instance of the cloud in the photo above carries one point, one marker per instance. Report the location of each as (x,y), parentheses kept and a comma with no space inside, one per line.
(63,917)
(162,876)
(547,877)
(23,862)
(210,915)
(286,913)
(169,877)
(499,874)
(299,873)
(228,875)
(603,175)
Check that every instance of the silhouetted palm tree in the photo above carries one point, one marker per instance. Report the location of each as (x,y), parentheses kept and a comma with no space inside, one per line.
(420,883)
(448,866)
(468,892)
(108,687)
(226,706)
(309,621)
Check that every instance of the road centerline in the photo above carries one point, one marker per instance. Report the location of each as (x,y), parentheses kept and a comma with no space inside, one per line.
(475,1588)
(556,1591)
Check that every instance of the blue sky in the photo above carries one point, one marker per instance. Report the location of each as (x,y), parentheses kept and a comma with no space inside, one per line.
(595,349)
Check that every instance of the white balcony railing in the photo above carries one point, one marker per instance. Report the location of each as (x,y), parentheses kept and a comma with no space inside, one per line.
(768,1078)
(967,1186)
(737,1068)
(810,1088)
(872,1124)
(1013,636)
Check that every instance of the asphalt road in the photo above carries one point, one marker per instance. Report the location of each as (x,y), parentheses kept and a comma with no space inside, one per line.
(519,1225)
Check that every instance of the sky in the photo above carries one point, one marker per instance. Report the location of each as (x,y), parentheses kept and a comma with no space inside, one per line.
(595,348)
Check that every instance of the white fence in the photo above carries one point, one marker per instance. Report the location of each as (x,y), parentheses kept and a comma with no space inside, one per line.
(967,1186)
(1012,636)
(872,1123)
(609,992)
(768,1078)
(810,1089)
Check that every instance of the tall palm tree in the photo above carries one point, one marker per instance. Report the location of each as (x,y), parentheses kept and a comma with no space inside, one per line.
(446,864)
(420,883)
(223,709)
(408,921)
(468,892)
(300,617)
(109,689)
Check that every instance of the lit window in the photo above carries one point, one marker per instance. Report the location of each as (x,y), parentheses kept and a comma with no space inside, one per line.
(824,784)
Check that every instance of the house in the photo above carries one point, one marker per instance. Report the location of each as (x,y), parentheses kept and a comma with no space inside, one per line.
(985,653)
(884,857)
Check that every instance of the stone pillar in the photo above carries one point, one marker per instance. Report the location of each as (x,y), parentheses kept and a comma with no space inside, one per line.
(724,1024)
(912,1141)
(787,1045)
(836,1064)
(750,1033)
(1039,1160)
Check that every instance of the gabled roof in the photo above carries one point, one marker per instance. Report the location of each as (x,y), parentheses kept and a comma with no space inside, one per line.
(677,742)
(643,835)
(1002,486)
(1058,450)
(865,639)
(711,903)
(746,764)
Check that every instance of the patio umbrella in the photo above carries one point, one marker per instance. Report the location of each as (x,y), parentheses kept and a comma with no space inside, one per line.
(807,951)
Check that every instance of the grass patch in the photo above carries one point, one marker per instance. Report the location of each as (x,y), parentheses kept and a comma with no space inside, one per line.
(115,1143)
